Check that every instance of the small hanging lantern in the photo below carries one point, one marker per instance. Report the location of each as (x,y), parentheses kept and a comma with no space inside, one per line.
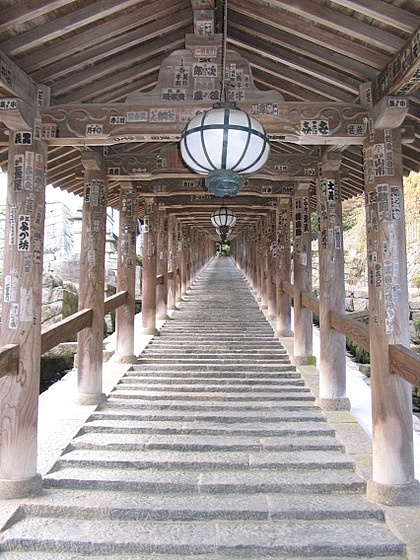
(223,220)
(223,217)
(225,144)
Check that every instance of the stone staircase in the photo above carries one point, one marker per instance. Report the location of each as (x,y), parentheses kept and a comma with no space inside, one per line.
(210,447)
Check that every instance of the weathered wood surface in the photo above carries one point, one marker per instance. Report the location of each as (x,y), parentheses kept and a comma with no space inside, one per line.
(355,330)
(405,363)
(65,329)
(115,301)
(288,288)
(311,303)
(9,359)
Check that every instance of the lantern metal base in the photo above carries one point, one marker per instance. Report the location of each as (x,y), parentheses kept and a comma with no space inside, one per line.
(224,182)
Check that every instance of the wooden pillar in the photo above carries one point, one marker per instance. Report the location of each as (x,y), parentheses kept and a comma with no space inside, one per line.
(178,276)
(162,267)
(172,263)
(284,268)
(248,255)
(149,269)
(271,267)
(262,265)
(126,276)
(184,260)
(92,279)
(21,313)
(393,479)
(263,252)
(332,363)
(302,268)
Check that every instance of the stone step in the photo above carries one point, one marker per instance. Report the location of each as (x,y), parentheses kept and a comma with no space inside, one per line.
(264,409)
(169,372)
(250,381)
(91,455)
(213,481)
(215,356)
(163,507)
(190,386)
(226,441)
(212,350)
(196,366)
(44,555)
(250,537)
(275,418)
(289,393)
(94,436)
(209,448)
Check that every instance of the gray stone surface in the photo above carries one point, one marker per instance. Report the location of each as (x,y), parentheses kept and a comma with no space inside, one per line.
(219,456)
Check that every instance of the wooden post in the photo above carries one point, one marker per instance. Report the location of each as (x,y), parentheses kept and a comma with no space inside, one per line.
(393,479)
(284,269)
(172,263)
(302,267)
(149,269)
(92,279)
(263,250)
(21,313)
(271,267)
(178,249)
(162,266)
(126,276)
(332,363)
(184,260)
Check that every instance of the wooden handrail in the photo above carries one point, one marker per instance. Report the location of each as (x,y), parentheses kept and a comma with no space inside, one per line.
(310,302)
(288,288)
(114,301)
(9,359)
(355,330)
(65,329)
(405,363)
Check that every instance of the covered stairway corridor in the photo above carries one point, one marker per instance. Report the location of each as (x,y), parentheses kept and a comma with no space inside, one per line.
(211,445)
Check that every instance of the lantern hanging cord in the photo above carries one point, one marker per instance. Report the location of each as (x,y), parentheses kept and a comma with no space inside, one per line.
(223,96)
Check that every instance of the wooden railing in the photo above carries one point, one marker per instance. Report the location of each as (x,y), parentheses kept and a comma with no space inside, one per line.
(59,332)
(403,361)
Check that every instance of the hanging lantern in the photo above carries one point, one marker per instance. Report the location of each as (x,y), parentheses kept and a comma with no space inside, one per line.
(223,220)
(225,144)
(223,217)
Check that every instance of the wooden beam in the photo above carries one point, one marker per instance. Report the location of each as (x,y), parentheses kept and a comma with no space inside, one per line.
(65,24)
(302,123)
(283,20)
(405,363)
(345,24)
(81,46)
(65,329)
(386,13)
(15,81)
(288,288)
(114,301)
(356,331)
(310,302)
(401,75)
(14,15)
(9,360)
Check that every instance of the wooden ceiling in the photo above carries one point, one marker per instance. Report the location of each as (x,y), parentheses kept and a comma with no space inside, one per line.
(90,51)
